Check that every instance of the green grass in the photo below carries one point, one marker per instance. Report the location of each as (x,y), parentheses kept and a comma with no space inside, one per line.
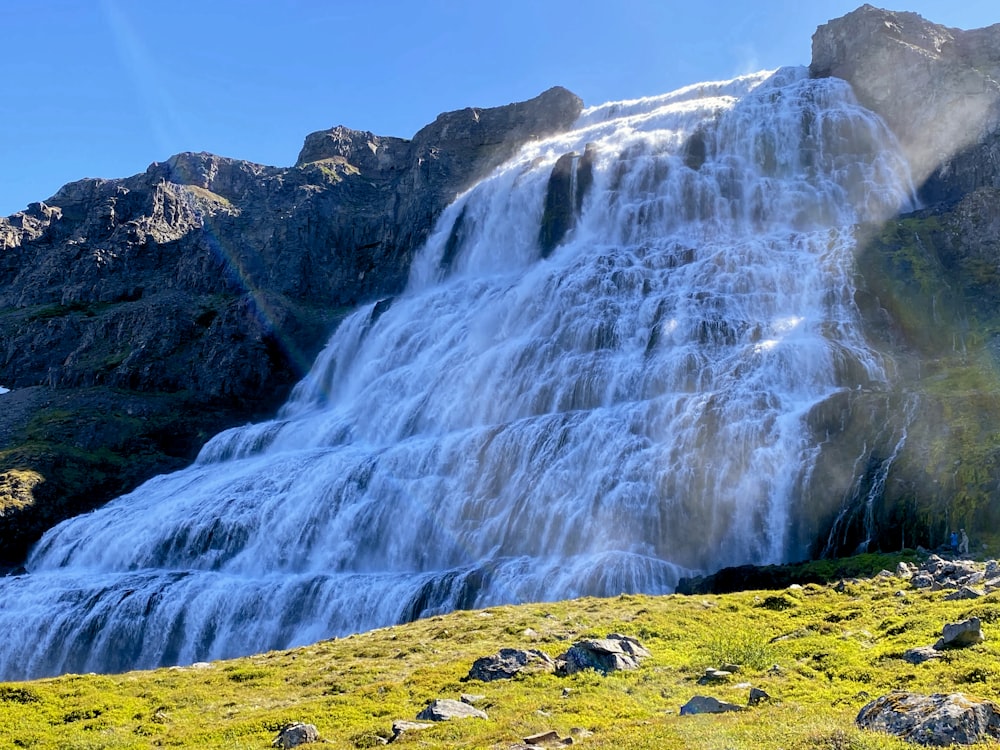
(833,652)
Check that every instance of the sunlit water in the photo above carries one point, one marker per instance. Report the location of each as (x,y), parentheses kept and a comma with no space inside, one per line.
(602,420)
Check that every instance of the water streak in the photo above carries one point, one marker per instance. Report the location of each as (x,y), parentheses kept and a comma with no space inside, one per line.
(605,419)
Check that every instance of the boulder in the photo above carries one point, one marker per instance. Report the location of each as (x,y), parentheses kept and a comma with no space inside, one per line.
(936,720)
(446,709)
(757,696)
(509,662)
(921,654)
(965,592)
(960,634)
(706,704)
(602,654)
(293,735)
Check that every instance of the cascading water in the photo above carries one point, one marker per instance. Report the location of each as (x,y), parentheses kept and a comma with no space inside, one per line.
(517,427)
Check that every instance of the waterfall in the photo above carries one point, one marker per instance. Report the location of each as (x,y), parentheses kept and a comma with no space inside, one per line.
(518,425)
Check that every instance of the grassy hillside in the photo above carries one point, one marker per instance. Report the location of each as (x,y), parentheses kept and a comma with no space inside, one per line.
(833,650)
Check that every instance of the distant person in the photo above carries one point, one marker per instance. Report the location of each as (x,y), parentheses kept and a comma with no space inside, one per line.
(954,541)
(963,546)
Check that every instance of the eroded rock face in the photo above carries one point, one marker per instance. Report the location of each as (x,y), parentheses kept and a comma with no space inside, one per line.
(936,87)
(936,720)
(139,316)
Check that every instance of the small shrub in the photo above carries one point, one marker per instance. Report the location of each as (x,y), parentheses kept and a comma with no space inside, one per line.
(9,694)
(746,648)
(778,603)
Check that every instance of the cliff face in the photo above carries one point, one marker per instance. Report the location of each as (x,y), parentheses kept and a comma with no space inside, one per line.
(139,316)
(929,285)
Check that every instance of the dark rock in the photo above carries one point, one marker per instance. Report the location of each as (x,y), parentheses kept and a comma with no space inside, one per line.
(757,696)
(446,709)
(604,655)
(706,704)
(509,662)
(559,214)
(960,634)
(936,720)
(296,734)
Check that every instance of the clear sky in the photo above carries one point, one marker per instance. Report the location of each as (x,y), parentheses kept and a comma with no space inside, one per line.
(101,88)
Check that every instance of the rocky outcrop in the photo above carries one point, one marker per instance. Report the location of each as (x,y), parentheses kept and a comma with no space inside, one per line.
(938,88)
(139,316)
(510,662)
(936,720)
(602,655)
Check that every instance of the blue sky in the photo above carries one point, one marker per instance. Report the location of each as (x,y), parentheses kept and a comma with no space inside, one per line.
(101,88)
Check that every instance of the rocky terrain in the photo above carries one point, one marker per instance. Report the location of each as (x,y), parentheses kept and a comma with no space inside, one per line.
(139,316)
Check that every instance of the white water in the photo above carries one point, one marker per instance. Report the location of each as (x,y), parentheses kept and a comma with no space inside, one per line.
(517,428)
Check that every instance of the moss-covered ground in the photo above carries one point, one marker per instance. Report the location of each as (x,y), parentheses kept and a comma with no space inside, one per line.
(820,653)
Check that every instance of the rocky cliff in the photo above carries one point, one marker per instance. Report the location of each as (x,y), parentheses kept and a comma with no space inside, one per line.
(929,286)
(139,316)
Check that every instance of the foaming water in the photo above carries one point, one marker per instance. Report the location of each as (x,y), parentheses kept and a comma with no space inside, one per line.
(518,425)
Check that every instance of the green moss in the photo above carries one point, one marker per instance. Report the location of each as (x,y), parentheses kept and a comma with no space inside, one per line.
(819,673)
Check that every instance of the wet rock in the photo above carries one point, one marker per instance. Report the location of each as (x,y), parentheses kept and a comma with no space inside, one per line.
(296,734)
(509,662)
(936,720)
(604,655)
(706,704)
(446,709)
(960,634)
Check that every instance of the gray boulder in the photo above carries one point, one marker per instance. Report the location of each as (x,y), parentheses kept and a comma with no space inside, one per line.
(936,720)
(965,592)
(960,634)
(706,704)
(602,654)
(509,662)
(921,654)
(446,709)
(293,735)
